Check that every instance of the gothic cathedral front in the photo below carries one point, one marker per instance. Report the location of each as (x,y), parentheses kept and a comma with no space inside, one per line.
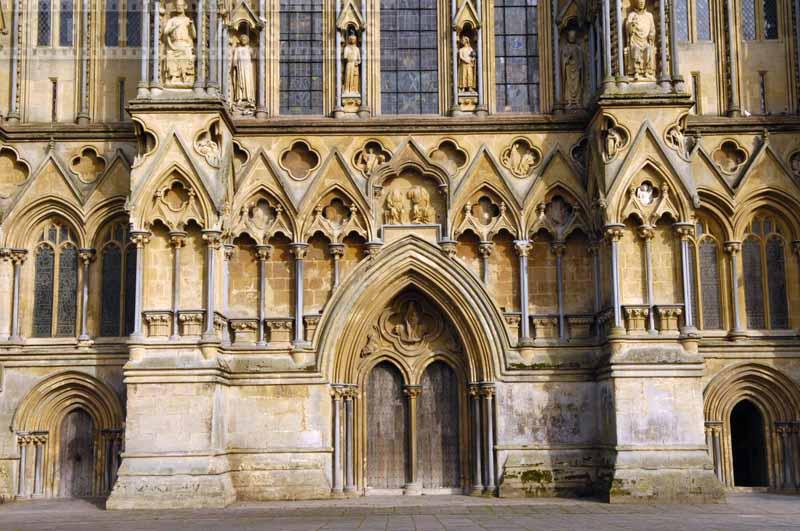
(288,249)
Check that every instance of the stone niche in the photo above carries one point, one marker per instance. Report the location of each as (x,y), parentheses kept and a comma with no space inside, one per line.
(411,199)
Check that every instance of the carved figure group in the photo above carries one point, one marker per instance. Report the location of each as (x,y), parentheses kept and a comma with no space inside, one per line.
(640,53)
(572,71)
(179,36)
(466,66)
(421,211)
(393,208)
(242,74)
(351,56)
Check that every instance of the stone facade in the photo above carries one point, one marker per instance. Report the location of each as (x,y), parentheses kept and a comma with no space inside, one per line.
(223,279)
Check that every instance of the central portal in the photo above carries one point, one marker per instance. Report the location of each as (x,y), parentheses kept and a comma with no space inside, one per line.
(414,401)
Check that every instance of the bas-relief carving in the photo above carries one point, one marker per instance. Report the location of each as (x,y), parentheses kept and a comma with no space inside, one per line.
(178,35)
(640,49)
(466,65)
(368,158)
(614,138)
(412,205)
(649,202)
(410,326)
(209,144)
(572,69)
(521,157)
(794,164)
(351,57)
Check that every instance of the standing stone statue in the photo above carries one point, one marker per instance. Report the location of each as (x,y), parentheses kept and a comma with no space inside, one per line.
(466,66)
(179,35)
(640,54)
(242,74)
(572,71)
(351,56)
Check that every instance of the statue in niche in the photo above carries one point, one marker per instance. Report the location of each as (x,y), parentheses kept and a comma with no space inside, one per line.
(613,142)
(393,214)
(640,54)
(645,193)
(572,70)
(351,85)
(369,159)
(421,210)
(242,74)
(466,66)
(179,35)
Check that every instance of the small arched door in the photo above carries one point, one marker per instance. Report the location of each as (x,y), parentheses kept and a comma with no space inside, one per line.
(748,444)
(76,455)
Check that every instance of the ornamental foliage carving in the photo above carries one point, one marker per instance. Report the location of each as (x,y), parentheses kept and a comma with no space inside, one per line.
(175,204)
(336,219)
(485,217)
(261,218)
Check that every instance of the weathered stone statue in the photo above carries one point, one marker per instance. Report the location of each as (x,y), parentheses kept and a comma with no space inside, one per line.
(369,159)
(613,142)
(393,208)
(421,210)
(244,90)
(572,71)
(640,53)
(351,56)
(179,35)
(466,66)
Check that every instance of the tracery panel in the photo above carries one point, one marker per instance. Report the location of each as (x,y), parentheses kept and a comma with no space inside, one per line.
(753,286)
(517,55)
(776,284)
(710,285)
(409,57)
(112,23)
(67,292)
(748,8)
(43,292)
(301,57)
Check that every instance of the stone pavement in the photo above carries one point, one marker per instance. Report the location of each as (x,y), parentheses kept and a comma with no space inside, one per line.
(757,511)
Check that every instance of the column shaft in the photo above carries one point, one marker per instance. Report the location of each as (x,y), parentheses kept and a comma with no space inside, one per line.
(647,234)
(606,20)
(23,454)
(556,55)
(732,248)
(673,44)
(338,76)
(83,92)
(614,233)
(144,73)
(17,262)
(620,45)
(261,108)
(523,248)
(686,269)
(349,485)
(477,480)
(412,392)
(199,70)
(156,81)
(479,59)
(212,48)
(337,438)
(490,481)
(37,464)
(264,252)
(664,77)
(299,250)
(86,256)
(212,238)
(177,240)
(734,108)
(13,109)
(558,249)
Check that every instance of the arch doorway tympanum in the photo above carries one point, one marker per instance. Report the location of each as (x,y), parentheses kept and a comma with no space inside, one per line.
(749,446)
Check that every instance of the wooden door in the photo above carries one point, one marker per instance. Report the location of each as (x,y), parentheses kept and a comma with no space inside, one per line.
(387,438)
(76,456)
(439,463)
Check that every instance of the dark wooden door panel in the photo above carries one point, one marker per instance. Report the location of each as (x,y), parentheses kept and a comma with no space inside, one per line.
(438,428)
(76,463)
(387,437)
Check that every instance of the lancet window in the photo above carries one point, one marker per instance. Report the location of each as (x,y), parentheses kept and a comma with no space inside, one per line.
(55,14)
(693,20)
(764,269)
(759,19)
(301,57)
(516,55)
(55,301)
(118,272)
(706,278)
(123,15)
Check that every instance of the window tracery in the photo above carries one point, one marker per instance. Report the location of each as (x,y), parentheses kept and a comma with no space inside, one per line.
(123,15)
(117,285)
(55,307)
(706,278)
(759,19)
(516,55)
(301,50)
(764,269)
(693,20)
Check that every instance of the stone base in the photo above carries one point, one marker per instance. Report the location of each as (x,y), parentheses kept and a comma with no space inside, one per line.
(261,477)
(171,492)
(663,486)
(540,475)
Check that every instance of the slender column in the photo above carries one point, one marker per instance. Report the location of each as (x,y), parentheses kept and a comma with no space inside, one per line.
(733,248)
(337,251)
(594,252)
(156,63)
(299,250)
(614,233)
(620,44)
(479,59)
(797,50)
(734,108)
(336,393)
(83,93)
(213,75)
(13,109)
(646,233)
(226,277)
(261,106)
(38,461)
(23,458)
(608,76)
(784,432)
(177,239)
(556,55)
(685,231)
(454,58)
(226,65)
(349,397)
(213,243)
(199,70)
(673,47)
(86,256)
(144,74)
(663,78)
(593,55)
(412,392)
(485,249)
(796,251)
(558,250)
(5,316)
(338,60)
(475,401)
(17,259)
(712,440)
(523,247)
(139,239)
(488,390)
(263,252)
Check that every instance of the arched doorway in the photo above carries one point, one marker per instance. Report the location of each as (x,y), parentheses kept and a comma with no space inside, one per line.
(438,428)
(387,437)
(748,445)
(76,456)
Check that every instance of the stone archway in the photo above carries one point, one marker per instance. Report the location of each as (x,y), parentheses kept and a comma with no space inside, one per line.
(739,400)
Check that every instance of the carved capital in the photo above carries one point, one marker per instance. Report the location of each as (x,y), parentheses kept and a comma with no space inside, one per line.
(615,232)
(488,390)
(684,230)
(474,390)
(485,249)
(646,232)
(177,238)
(558,248)
(412,391)
(263,252)
(732,247)
(299,250)
(522,247)
(229,250)
(87,256)
(448,248)
(140,238)
(336,250)
(338,391)
(18,256)
(373,248)
(213,238)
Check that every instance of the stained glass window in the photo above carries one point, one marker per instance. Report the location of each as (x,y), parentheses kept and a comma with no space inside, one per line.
(682,19)
(776,284)
(44,23)
(43,292)
(710,285)
(112,23)
(753,288)
(702,18)
(693,284)
(301,57)
(749,19)
(133,23)
(516,55)
(65,23)
(67,291)
(770,8)
(110,293)
(130,288)
(409,57)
